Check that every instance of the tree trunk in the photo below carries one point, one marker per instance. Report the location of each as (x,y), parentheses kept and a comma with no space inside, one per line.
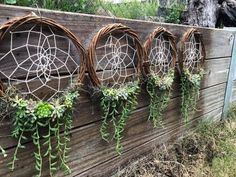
(201,13)
(227,15)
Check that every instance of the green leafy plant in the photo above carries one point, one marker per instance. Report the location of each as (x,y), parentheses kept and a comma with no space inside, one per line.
(30,116)
(131,9)
(159,89)
(190,87)
(174,13)
(10,1)
(116,105)
(83,6)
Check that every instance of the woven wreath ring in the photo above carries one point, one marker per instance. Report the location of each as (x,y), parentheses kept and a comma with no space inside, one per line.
(161,52)
(192,54)
(46,51)
(114,54)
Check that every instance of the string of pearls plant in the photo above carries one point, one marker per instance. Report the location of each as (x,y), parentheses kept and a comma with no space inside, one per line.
(116,105)
(159,89)
(190,87)
(30,116)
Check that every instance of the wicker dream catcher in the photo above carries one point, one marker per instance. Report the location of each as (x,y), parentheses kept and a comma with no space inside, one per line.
(35,52)
(161,57)
(191,65)
(39,61)
(115,60)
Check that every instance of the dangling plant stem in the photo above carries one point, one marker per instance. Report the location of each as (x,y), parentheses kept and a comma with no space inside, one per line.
(114,101)
(159,89)
(158,105)
(105,106)
(12,163)
(190,87)
(59,143)
(48,143)
(67,127)
(37,155)
(3,152)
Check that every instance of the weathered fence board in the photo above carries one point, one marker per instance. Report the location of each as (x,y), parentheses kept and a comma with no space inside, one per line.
(218,42)
(216,73)
(90,155)
(88,149)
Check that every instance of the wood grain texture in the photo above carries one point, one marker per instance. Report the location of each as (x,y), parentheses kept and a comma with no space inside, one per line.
(88,149)
(90,155)
(218,42)
(216,73)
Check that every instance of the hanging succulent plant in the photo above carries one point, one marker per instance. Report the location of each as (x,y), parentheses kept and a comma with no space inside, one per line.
(191,65)
(115,73)
(30,116)
(116,105)
(190,87)
(159,90)
(161,56)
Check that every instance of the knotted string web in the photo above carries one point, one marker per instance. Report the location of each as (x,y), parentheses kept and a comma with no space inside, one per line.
(115,59)
(160,56)
(38,61)
(192,54)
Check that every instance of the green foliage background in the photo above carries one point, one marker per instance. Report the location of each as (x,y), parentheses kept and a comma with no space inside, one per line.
(131,9)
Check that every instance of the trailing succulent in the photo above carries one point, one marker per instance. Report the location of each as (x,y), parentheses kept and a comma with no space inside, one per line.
(159,89)
(30,116)
(3,152)
(116,105)
(190,87)
(5,110)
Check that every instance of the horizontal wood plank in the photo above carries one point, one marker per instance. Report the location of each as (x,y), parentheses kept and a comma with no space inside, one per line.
(89,149)
(113,165)
(218,42)
(216,73)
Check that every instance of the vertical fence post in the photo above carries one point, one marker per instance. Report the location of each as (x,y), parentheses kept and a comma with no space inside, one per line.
(231,77)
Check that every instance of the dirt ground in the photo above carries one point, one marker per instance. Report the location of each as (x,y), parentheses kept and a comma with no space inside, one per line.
(210,151)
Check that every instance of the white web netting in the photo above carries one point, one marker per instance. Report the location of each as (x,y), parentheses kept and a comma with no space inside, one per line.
(192,54)
(160,55)
(38,61)
(116,60)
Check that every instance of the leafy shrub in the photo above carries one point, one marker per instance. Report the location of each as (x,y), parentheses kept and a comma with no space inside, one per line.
(83,6)
(131,9)
(173,14)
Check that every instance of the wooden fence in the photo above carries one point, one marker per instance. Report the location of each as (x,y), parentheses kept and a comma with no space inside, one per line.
(89,154)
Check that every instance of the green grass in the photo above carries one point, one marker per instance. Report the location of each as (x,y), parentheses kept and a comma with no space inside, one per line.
(209,151)
(223,135)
